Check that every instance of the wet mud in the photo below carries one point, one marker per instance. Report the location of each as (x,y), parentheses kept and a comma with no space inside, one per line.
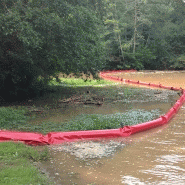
(156,156)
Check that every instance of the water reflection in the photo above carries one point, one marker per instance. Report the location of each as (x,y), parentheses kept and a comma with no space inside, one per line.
(170,174)
(171,159)
(131,180)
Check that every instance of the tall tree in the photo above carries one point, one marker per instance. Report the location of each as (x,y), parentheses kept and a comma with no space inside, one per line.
(147,30)
(42,38)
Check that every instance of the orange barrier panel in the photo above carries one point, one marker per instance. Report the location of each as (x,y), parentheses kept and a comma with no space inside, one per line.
(60,137)
(163,119)
(148,125)
(27,137)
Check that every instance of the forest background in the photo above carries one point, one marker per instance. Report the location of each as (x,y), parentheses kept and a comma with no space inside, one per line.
(41,38)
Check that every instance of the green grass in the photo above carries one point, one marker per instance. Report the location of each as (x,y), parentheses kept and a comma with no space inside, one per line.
(80,82)
(11,117)
(61,90)
(16,164)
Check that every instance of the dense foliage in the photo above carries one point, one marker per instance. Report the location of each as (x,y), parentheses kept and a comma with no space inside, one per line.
(40,38)
(145,34)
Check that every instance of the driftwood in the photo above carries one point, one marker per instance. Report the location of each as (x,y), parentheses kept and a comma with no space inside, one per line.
(36,110)
(91,100)
(69,100)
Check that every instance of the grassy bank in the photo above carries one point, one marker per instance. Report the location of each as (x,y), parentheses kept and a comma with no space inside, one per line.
(80,82)
(65,87)
(16,164)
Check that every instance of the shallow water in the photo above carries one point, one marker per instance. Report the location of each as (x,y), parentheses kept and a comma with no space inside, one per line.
(156,156)
(118,101)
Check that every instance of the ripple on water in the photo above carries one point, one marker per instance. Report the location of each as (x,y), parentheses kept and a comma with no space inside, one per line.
(131,180)
(162,142)
(163,174)
(169,174)
(171,159)
(179,133)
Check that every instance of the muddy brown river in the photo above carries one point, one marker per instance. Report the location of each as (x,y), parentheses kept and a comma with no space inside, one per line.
(156,156)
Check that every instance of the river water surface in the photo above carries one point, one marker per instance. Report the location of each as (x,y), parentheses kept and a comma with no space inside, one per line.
(156,156)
